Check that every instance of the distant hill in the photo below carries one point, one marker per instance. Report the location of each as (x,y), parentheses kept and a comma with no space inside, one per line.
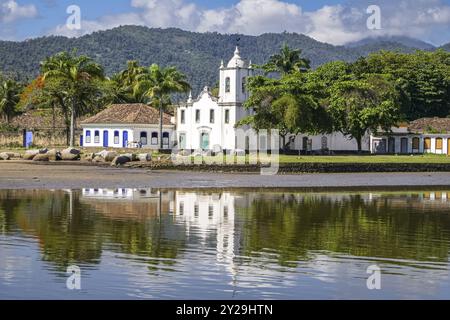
(196,54)
(394,41)
(446,47)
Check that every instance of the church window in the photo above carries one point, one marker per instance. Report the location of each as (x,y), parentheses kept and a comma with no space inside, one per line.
(244,83)
(211,116)
(227,84)
(183,117)
(227,116)
(197,116)
(116,137)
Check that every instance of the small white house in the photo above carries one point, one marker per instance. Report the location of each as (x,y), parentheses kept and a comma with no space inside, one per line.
(127,126)
(426,135)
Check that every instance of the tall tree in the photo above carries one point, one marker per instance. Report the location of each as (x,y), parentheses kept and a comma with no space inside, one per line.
(286,61)
(289,104)
(120,88)
(9,98)
(157,85)
(77,76)
(357,106)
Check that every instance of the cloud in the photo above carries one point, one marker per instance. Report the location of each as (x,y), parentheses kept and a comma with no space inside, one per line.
(336,24)
(11,11)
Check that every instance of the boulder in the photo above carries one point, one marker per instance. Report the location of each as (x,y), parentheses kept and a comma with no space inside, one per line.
(70,154)
(14,155)
(41,157)
(184,153)
(30,154)
(54,155)
(144,157)
(132,156)
(108,156)
(98,159)
(89,156)
(4,156)
(120,160)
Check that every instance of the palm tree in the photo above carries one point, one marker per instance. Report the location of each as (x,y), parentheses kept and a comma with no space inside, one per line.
(9,98)
(122,84)
(157,84)
(287,61)
(76,75)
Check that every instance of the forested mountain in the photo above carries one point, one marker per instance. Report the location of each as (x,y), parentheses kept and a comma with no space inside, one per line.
(446,47)
(196,54)
(394,41)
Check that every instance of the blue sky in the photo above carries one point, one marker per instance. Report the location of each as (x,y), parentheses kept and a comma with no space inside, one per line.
(332,21)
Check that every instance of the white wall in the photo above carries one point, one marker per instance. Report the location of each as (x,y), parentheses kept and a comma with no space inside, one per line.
(133,136)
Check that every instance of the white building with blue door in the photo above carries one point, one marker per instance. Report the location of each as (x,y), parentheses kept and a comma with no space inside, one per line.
(128,126)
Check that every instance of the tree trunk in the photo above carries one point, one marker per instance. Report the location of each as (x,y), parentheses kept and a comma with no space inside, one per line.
(283,149)
(160,126)
(358,141)
(72,127)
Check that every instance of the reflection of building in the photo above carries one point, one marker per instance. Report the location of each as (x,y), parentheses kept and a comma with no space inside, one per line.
(208,213)
(126,202)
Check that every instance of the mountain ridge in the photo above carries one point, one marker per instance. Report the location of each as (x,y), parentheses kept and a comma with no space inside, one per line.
(196,54)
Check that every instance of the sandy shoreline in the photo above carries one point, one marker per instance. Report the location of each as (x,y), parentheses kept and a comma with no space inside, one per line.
(22,175)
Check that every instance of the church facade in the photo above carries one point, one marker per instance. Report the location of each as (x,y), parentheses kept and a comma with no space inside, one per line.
(208,123)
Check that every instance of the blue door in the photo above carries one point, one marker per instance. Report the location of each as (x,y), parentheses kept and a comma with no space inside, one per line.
(105,138)
(27,139)
(125,139)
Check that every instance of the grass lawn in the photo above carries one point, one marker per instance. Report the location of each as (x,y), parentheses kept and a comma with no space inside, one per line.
(428,158)
(285,159)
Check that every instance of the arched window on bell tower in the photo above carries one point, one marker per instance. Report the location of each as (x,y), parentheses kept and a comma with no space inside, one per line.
(244,84)
(227,84)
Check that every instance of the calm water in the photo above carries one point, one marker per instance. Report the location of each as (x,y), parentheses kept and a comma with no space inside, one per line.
(133,243)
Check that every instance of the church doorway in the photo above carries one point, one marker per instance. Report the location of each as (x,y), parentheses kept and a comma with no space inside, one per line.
(204,141)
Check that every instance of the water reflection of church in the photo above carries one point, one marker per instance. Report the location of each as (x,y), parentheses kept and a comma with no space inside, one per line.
(209,218)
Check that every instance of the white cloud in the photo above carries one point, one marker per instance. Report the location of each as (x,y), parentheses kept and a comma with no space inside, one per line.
(337,24)
(11,11)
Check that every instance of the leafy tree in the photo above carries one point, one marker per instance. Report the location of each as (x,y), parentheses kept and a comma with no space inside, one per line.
(286,61)
(77,77)
(289,104)
(156,85)
(357,106)
(9,98)
(422,80)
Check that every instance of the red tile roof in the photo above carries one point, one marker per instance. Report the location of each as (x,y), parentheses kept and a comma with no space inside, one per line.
(133,113)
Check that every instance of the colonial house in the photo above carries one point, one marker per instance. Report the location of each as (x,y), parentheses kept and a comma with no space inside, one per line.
(127,126)
(426,135)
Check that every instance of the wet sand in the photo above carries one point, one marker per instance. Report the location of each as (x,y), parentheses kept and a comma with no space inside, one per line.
(24,175)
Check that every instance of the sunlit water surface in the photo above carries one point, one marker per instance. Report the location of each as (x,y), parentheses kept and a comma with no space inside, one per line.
(175,244)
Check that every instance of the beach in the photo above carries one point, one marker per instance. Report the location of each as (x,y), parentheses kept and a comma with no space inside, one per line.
(30,175)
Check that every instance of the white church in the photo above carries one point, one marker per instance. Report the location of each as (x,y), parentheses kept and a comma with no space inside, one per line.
(207,123)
